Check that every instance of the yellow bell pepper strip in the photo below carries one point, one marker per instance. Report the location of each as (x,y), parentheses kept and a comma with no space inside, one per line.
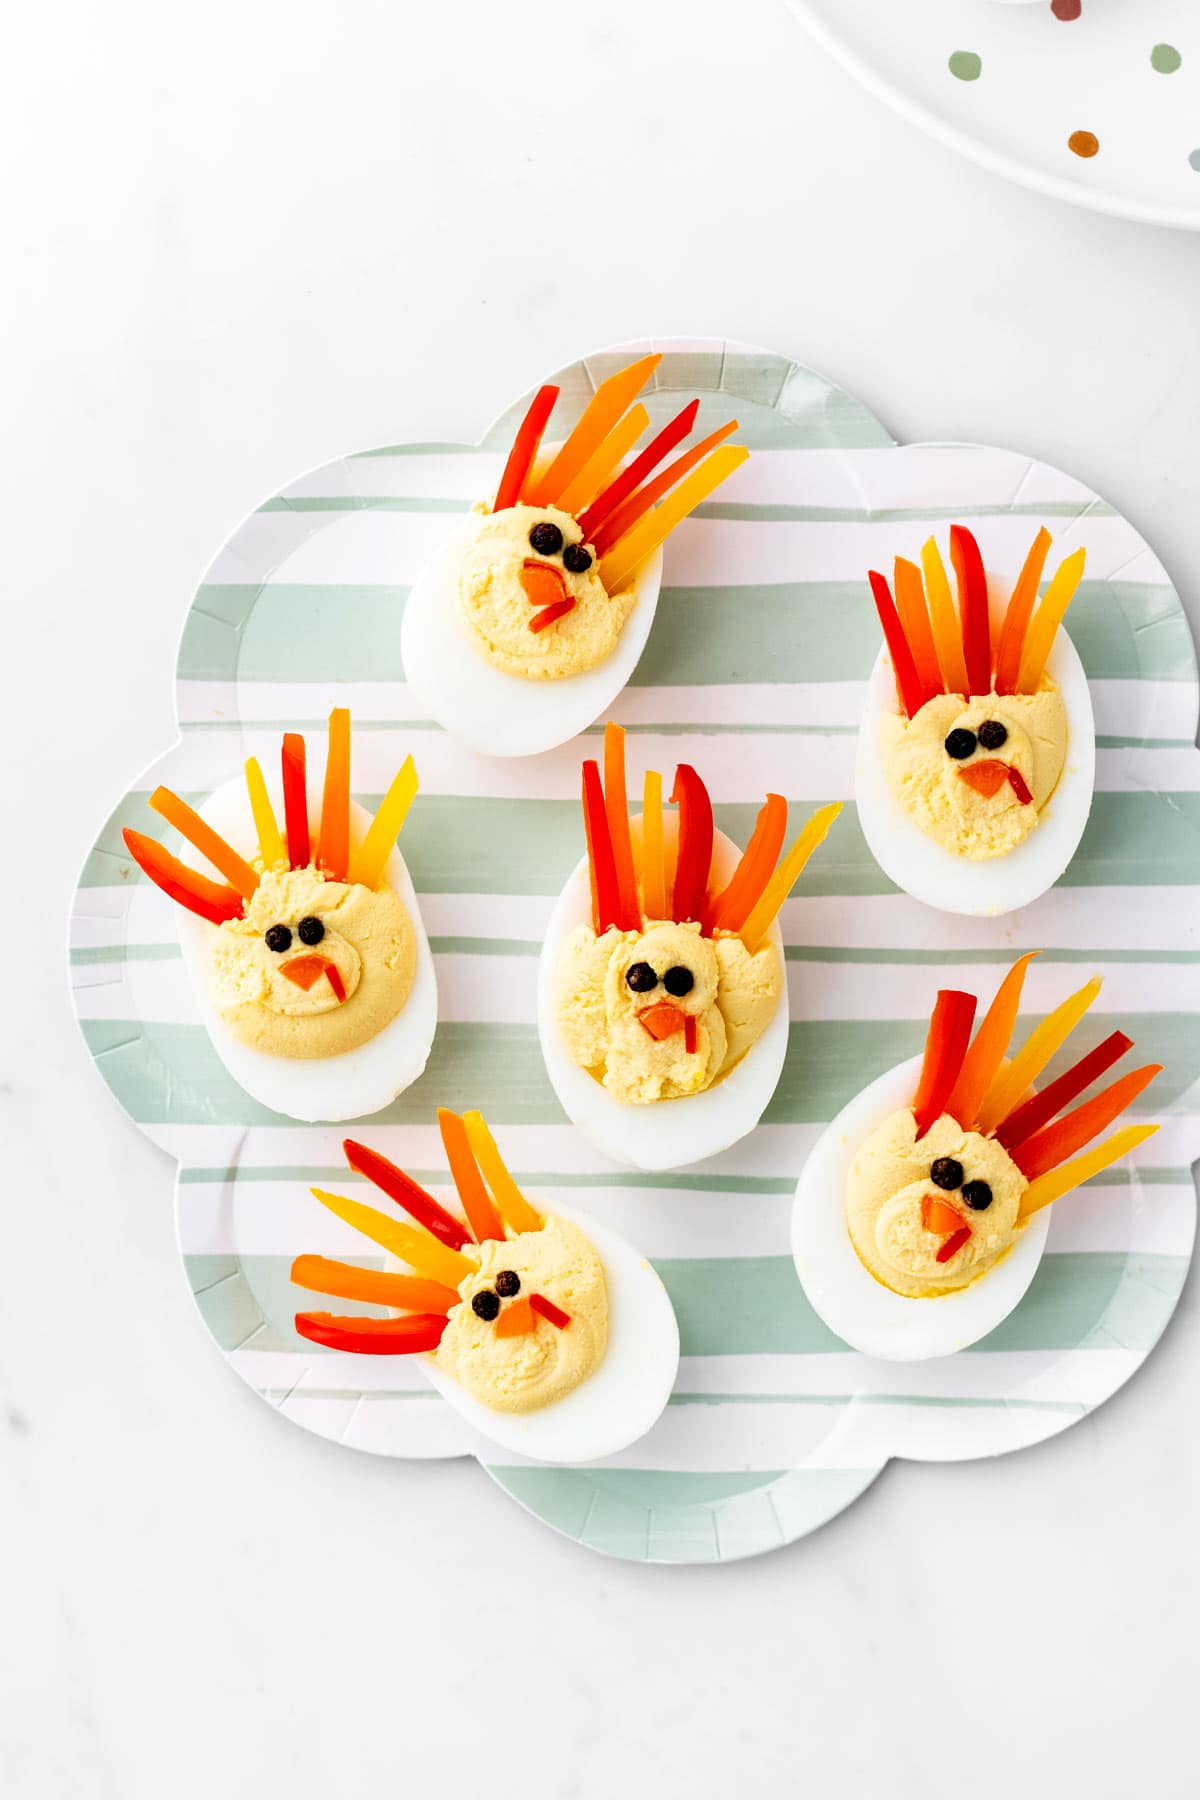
(988,1046)
(1042,1107)
(1047,619)
(730,908)
(619,490)
(654,872)
(368,862)
(616,805)
(1057,1182)
(547,1310)
(525,448)
(406,1336)
(271,846)
(604,460)
(1054,1143)
(945,1048)
(694,863)
(1009,1084)
(914,618)
(295,800)
(508,1197)
(483,1215)
(599,417)
(209,900)
(378,1287)
(910,689)
(420,1251)
(406,1193)
(602,867)
(630,553)
(1018,614)
(209,843)
(626,516)
(335,800)
(947,626)
(763,912)
(972,608)
(516,1319)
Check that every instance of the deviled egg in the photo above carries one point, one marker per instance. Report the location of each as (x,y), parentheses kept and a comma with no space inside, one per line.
(547,1332)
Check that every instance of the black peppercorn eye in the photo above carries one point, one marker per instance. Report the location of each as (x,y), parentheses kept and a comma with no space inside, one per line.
(508,1283)
(640,977)
(310,930)
(546,538)
(577,559)
(992,734)
(978,1195)
(485,1305)
(279,938)
(679,981)
(960,743)
(946,1172)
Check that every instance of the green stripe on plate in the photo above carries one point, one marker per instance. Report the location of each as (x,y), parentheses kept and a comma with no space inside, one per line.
(534,1181)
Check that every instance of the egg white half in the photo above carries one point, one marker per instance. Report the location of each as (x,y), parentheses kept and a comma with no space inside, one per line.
(852,1303)
(668,1134)
(1001,884)
(321,1089)
(623,1398)
(494,712)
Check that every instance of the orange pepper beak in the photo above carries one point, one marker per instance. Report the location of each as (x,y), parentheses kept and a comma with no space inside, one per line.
(987,777)
(662,1020)
(307,970)
(516,1320)
(544,585)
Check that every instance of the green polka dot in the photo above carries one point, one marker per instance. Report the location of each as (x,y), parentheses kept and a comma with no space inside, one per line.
(966,65)
(1165,58)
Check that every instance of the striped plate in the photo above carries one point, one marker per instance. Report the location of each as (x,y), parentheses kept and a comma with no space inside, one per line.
(756,671)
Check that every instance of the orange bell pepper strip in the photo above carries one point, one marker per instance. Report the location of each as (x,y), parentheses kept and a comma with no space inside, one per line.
(525,448)
(1046,621)
(335,800)
(209,900)
(1018,614)
(508,1197)
(209,843)
(914,619)
(373,1337)
(516,1319)
(483,1215)
(945,1048)
(1039,1111)
(378,1287)
(1054,1143)
(553,1314)
(730,908)
(690,795)
(599,417)
(940,1217)
(406,1193)
(619,490)
(606,899)
(1057,1182)
(616,805)
(626,517)
(910,689)
(604,461)
(295,800)
(762,914)
(972,607)
(988,1046)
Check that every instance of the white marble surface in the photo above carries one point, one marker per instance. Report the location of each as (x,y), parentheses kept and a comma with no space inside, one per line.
(237,237)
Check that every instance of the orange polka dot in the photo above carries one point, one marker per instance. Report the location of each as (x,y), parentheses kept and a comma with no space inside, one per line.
(1083,143)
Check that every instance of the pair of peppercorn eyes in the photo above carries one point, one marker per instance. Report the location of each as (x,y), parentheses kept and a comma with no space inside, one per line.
(961,742)
(279,937)
(947,1173)
(547,540)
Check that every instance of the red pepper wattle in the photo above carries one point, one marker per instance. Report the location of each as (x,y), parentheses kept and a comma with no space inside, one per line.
(553,1314)
(954,1244)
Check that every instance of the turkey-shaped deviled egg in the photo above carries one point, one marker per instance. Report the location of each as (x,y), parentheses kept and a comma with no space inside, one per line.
(922,1212)
(976,757)
(546,1331)
(662,1005)
(529,621)
(309,960)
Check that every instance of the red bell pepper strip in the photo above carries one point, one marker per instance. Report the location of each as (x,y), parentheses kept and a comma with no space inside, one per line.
(626,517)
(373,1337)
(335,982)
(616,805)
(692,867)
(622,485)
(945,1048)
(731,908)
(525,448)
(1052,1145)
(1017,783)
(378,1287)
(606,899)
(972,608)
(549,615)
(555,1314)
(209,843)
(909,687)
(953,1245)
(483,1215)
(1025,1120)
(295,800)
(211,900)
(690,1034)
(407,1193)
